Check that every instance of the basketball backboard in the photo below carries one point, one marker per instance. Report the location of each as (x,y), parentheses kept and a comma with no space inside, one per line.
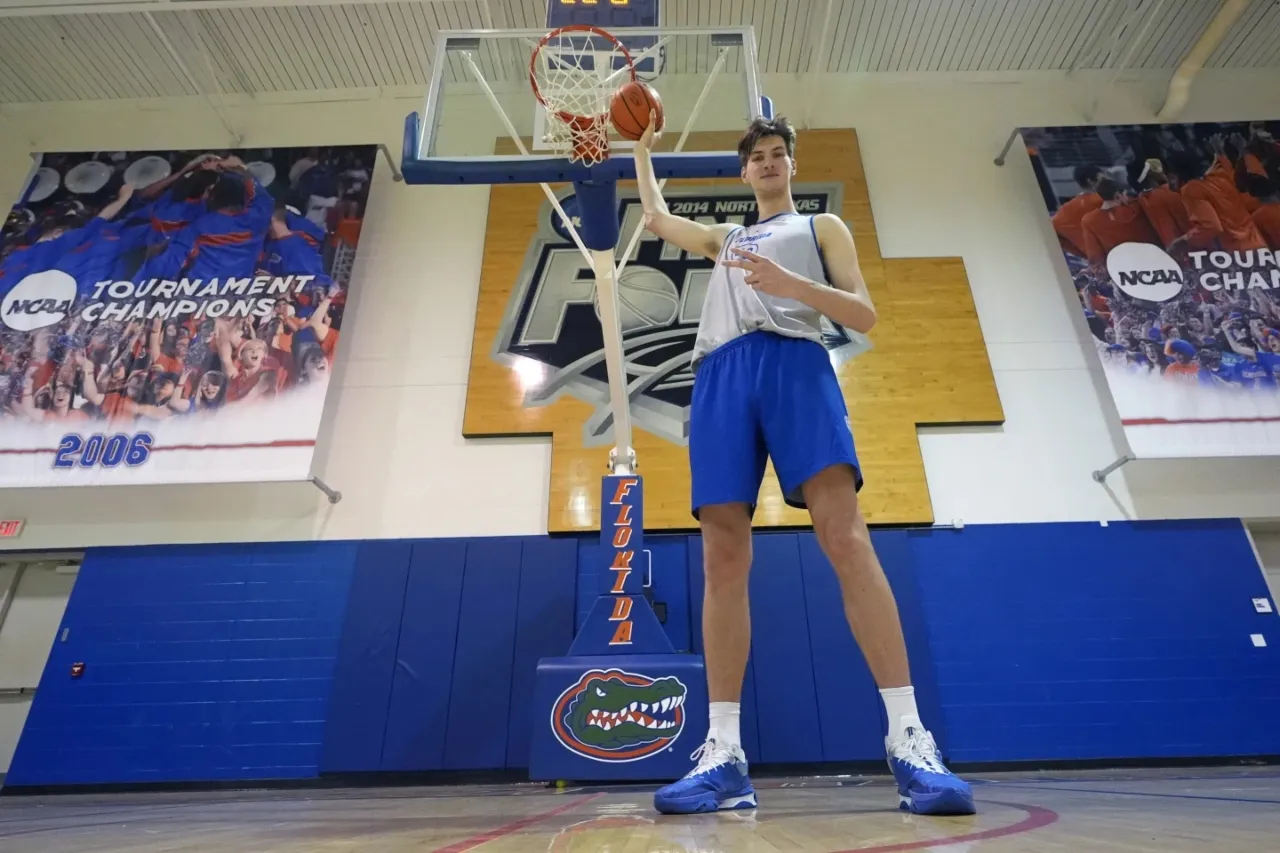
(531,106)
(480,95)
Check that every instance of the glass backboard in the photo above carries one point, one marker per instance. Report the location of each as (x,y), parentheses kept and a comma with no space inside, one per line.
(480,96)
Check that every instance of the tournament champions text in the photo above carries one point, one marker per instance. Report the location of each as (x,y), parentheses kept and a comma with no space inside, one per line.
(168,300)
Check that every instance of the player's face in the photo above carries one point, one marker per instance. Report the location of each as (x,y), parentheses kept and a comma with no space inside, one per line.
(769,168)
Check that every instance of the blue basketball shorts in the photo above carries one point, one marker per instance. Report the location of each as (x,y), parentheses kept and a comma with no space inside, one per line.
(765,396)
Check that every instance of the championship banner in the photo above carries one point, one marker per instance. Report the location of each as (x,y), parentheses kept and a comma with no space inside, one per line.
(173,316)
(1171,234)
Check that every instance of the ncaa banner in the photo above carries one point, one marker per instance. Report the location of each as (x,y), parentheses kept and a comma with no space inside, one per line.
(1171,234)
(173,316)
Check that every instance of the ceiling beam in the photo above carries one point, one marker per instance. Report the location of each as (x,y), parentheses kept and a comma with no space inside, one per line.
(1180,83)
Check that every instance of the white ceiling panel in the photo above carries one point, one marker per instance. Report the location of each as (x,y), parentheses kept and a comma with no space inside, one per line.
(111,49)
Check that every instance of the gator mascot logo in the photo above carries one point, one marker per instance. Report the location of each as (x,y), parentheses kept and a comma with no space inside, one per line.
(612,715)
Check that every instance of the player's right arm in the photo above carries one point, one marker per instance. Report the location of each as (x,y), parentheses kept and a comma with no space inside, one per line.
(694,237)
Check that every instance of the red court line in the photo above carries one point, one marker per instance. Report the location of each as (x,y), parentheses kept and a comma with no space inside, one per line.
(1174,421)
(261,445)
(284,442)
(511,828)
(1036,818)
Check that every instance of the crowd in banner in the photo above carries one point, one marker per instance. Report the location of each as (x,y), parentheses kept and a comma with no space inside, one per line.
(1190,195)
(209,217)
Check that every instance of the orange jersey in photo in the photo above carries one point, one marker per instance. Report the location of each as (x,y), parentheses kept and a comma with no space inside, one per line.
(1267,220)
(1108,227)
(1218,212)
(1066,222)
(1166,213)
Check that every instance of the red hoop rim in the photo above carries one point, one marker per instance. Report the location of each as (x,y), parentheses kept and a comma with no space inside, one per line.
(574,28)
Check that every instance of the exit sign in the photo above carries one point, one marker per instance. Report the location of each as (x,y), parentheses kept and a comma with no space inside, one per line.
(10,529)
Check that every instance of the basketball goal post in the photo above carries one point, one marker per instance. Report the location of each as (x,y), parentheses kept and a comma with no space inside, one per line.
(574,70)
(642,696)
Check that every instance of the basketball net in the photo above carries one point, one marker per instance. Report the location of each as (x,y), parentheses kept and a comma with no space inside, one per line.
(574,72)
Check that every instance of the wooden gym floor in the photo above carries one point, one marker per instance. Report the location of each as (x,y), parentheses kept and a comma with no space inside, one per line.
(1235,809)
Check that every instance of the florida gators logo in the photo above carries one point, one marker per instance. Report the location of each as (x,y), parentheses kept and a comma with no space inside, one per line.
(612,715)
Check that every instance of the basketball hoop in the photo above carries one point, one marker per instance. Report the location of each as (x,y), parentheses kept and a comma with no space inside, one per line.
(573,75)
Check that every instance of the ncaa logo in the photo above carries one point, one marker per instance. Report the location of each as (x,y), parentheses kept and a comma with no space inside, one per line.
(618,716)
(39,300)
(1145,271)
(551,327)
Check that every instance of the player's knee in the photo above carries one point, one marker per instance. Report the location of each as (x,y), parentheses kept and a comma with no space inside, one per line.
(843,537)
(726,546)
(726,565)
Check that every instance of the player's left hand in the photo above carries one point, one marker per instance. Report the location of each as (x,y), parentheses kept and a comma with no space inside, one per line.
(765,275)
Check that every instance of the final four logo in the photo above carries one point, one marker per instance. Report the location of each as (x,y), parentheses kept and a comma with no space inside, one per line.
(551,332)
(613,715)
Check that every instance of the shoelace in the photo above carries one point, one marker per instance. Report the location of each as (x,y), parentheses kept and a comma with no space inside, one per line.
(709,755)
(919,749)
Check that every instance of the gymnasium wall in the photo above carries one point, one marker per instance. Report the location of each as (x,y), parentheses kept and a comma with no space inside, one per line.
(394,447)
(1029,643)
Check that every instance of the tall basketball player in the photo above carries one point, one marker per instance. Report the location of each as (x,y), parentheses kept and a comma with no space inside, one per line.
(765,385)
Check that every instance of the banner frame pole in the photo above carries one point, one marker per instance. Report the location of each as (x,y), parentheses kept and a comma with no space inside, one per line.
(1007,145)
(1101,475)
(333,494)
(396,174)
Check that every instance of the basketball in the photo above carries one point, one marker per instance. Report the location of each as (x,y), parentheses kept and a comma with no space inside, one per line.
(630,109)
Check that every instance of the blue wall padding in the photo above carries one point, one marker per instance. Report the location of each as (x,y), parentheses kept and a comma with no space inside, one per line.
(1078,641)
(367,656)
(786,703)
(1028,642)
(480,690)
(418,717)
(211,662)
(544,628)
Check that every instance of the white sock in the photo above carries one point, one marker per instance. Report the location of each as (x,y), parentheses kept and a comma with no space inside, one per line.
(900,708)
(724,723)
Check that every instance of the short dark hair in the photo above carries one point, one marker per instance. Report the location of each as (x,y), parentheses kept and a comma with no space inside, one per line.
(228,193)
(761,128)
(1086,173)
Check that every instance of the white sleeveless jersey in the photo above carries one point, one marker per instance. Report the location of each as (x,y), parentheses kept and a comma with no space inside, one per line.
(733,308)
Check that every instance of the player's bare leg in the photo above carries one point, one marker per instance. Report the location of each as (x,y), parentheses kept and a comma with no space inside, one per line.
(719,780)
(726,613)
(869,604)
(925,785)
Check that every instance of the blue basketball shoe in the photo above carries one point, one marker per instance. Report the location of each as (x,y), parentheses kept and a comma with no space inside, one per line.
(719,781)
(925,785)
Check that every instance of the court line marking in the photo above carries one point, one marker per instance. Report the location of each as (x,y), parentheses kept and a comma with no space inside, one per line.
(1037,817)
(1139,794)
(515,826)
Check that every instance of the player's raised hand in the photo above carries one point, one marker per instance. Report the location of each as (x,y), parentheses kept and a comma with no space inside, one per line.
(764,275)
(650,136)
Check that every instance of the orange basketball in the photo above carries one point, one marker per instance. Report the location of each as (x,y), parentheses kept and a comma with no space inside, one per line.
(630,109)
